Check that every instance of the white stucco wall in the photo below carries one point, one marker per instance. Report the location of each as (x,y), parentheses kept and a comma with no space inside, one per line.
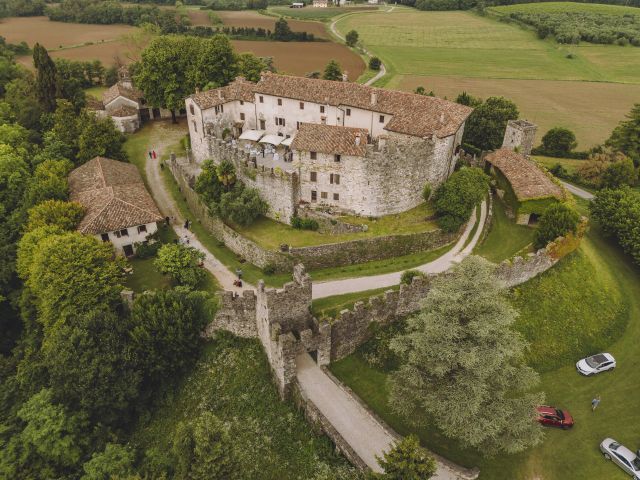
(132,238)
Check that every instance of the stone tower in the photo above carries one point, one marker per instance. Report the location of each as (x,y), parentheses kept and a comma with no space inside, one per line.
(124,77)
(519,136)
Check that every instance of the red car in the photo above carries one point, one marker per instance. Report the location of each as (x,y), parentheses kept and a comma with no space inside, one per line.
(554,417)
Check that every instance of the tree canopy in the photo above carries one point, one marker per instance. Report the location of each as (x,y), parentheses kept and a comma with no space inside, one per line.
(558,142)
(556,221)
(456,198)
(460,358)
(332,71)
(486,125)
(626,136)
(181,263)
(407,460)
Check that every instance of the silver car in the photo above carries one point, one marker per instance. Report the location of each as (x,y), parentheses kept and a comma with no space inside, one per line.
(625,458)
(596,364)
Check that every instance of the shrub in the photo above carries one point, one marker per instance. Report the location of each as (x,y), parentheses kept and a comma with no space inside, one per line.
(455,199)
(375,63)
(147,250)
(408,276)
(426,192)
(181,263)
(269,269)
(351,38)
(241,205)
(407,460)
(559,171)
(558,142)
(619,173)
(304,223)
(556,221)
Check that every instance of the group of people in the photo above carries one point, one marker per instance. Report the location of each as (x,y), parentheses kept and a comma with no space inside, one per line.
(152,154)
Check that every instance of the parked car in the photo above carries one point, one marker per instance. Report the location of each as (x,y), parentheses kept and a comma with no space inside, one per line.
(554,417)
(625,458)
(596,364)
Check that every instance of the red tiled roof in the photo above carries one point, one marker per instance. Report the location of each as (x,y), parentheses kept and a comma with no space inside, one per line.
(239,89)
(313,137)
(113,195)
(119,90)
(526,178)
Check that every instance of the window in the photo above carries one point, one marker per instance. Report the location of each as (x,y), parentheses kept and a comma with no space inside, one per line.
(313,176)
(279,102)
(348,112)
(323,195)
(334,178)
(219,109)
(280,121)
(142,228)
(336,157)
(336,196)
(105,237)
(261,99)
(381,118)
(241,102)
(301,105)
(192,110)
(124,232)
(262,125)
(195,126)
(314,155)
(314,195)
(321,108)
(297,125)
(242,116)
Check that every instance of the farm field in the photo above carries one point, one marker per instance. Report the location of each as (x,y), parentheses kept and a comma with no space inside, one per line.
(463,47)
(298,58)
(565,7)
(109,53)
(547,103)
(55,35)
(251,18)
(310,13)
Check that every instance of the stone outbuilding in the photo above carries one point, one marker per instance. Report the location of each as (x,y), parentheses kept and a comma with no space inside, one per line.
(523,185)
(118,208)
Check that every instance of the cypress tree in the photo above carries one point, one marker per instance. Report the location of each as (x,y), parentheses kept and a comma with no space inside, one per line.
(45,78)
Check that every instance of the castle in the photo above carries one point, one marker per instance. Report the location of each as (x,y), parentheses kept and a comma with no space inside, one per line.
(338,146)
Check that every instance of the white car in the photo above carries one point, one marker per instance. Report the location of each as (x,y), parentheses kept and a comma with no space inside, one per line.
(596,364)
(625,458)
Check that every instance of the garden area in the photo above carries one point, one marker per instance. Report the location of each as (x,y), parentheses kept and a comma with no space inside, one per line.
(588,303)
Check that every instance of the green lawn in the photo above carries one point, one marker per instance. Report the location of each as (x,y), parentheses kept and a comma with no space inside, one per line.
(331,306)
(579,307)
(271,440)
(571,165)
(271,234)
(96,91)
(505,238)
(566,7)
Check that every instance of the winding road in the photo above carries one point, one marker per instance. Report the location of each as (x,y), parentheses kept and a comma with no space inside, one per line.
(577,191)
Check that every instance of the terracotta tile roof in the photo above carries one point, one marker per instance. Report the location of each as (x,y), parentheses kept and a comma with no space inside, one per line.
(313,137)
(113,195)
(119,90)
(526,178)
(239,89)
(123,111)
(412,114)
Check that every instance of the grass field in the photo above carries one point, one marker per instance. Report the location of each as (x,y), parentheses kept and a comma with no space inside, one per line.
(298,58)
(271,234)
(270,439)
(331,306)
(566,7)
(565,314)
(571,165)
(449,52)
(251,18)
(505,237)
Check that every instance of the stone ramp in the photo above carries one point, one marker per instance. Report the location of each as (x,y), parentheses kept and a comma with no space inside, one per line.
(366,436)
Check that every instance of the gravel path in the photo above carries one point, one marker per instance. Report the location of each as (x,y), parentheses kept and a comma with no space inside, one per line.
(361,284)
(578,191)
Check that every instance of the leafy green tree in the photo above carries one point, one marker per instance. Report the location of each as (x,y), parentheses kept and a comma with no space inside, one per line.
(14,178)
(208,184)
(456,198)
(28,246)
(557,220)
(17,137)
(165,71)
(407,460)
(375,63)
(202,449)
(250,66)
(216,63)
(116,461)
(73,272)
(226,174)
(626,136)
(558,142)
(242,205)
(619,173)
(166,335)
(65,215)
(332,71)
(49,182)
(181,263)
(351,38)
(45,78)
(460,358)
(618,214)
(465,99)
(282,32)
(21,96)
(66,127)
(486,125)
(99,137)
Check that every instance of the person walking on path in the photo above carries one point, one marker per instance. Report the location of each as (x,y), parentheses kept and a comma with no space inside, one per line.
(154,154)
(150,154)
(594,403)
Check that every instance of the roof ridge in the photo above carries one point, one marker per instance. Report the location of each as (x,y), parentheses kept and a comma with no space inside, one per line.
(134,206)
(101,210)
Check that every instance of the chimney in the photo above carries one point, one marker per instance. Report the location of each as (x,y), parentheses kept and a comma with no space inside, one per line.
(345,77)
(442,117)
(197,89)
(374,97)
(220,94)
(357,139)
